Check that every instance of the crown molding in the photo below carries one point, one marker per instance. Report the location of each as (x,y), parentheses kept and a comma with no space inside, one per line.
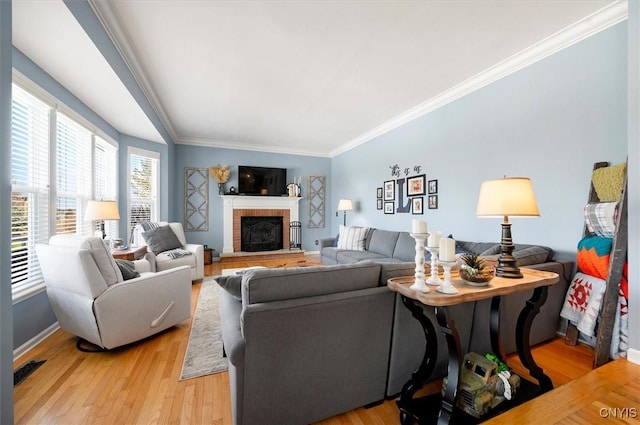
(598,21)
(108,17)
(222,144)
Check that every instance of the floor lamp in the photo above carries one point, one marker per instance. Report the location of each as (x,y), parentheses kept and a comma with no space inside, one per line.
(345,205)
(509,196)
(102,210)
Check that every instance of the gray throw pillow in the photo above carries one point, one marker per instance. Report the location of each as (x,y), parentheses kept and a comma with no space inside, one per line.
(161,239)
(127,269)
(232,284)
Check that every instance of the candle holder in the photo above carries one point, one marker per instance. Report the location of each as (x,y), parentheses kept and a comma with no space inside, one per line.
(419,283)
(434,279)
(447,286)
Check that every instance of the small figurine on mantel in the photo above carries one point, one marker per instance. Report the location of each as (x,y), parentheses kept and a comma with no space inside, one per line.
(221,174)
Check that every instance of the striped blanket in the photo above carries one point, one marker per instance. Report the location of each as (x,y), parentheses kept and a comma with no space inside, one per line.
(173,253)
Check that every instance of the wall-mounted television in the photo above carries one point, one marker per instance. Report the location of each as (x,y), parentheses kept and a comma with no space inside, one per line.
(262,181)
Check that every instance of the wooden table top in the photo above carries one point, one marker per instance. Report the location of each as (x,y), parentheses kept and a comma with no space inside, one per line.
(498,286)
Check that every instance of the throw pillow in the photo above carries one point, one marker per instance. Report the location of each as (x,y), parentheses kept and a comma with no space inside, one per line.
(127,269)
(232,284)
(352,238)
(161,239)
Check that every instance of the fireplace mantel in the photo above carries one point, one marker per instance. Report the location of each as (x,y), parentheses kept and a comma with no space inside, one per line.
(239,202)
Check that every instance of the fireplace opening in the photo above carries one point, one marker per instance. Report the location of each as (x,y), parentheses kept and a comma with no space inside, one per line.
(260,233)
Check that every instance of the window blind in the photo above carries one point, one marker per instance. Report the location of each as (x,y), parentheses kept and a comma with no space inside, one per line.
(143,188)
(29,184)
(73,165)
(106,178)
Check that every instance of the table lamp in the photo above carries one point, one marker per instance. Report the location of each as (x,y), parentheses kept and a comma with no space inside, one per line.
(345,205)
(102,210)
(509,196)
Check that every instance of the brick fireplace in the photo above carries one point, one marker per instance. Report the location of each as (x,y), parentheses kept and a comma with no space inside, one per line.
(236,207)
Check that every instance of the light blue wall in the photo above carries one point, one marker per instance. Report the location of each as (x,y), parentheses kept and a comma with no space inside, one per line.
(550,121)
(6,317)
(202,157)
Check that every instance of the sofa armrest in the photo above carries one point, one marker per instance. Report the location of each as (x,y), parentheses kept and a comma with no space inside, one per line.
(198,251)
(327,242)
(125,312)
(230,312)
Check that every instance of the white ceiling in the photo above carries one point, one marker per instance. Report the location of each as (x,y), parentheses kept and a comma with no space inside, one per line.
(308,77)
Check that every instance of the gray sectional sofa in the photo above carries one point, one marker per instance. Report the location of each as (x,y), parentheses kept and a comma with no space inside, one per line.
(308,343)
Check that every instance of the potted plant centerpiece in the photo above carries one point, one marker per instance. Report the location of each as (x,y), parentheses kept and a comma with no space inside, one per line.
(474,271)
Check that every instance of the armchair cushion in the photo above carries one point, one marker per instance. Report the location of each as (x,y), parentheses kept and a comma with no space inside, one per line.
(127,268)
(161,239)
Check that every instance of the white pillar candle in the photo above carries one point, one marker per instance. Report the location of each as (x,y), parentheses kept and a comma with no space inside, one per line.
(447,249)
(434,240)
(418,226)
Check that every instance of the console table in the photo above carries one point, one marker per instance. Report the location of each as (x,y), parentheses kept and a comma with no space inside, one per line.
(439,409)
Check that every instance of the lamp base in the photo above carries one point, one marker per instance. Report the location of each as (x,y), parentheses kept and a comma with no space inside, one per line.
(507,264)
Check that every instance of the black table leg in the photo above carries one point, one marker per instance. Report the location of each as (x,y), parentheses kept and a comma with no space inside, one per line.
(494,327)
(448,328)
(523,329)
(419,377)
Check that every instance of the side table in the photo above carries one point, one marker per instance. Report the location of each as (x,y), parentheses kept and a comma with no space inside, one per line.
(442,410)
(208,255)
(131,253)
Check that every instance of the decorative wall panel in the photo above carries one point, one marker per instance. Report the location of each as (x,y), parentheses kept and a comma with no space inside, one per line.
(196,199)
(316,201)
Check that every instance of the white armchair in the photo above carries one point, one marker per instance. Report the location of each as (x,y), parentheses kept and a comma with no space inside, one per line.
(162,261)
(91,300)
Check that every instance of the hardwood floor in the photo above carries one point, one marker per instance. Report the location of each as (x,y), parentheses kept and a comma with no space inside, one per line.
(138,384)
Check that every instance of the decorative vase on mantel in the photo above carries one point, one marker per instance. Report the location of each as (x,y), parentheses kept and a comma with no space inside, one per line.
(221,189)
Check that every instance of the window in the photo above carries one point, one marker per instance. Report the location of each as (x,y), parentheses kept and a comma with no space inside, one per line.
(51,156)
(106,178)
(143,187)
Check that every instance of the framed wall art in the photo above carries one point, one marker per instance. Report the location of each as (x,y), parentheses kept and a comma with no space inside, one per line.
(417,205)
(379,203)
(388,207)
(379,193)
(389,191)
(433,202)
(415,185)
(433,186)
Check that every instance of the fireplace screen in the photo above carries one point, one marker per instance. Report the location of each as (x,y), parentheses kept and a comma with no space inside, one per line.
(260,233)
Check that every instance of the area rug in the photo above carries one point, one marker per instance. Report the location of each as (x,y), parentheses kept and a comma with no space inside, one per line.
(204,350)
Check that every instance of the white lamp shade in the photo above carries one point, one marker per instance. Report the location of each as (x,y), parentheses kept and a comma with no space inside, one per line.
(510,196)
(102,210)
(345,205)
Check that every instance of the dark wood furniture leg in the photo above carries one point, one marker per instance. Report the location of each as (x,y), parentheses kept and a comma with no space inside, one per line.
(419,377)
(523,328)
(448,328)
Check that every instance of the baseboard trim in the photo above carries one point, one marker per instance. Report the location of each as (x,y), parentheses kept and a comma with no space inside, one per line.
(633,356)
(33,342)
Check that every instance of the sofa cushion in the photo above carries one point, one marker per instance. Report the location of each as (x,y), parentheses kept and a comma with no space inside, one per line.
(352,237)
(383,242)
(347,257)
(232,284)
(405,247)
(161,239)
(390,270)
(480,248)
(266,285)
(527,256)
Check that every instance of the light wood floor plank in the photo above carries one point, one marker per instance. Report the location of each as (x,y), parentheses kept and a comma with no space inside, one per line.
(139,384)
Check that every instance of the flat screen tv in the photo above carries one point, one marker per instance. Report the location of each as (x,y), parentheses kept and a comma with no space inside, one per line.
(262,181)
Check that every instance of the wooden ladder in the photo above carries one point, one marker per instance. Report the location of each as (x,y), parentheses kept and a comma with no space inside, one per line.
(614,275)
